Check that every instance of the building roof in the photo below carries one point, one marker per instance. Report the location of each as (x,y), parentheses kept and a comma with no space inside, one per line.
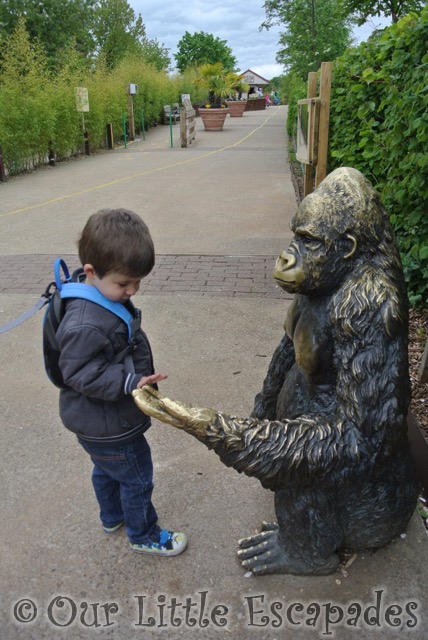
(250,77)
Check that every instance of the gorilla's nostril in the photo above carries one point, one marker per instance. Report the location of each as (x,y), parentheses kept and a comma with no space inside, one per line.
(289,260)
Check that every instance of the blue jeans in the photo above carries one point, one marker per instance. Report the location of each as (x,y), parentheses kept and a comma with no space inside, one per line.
(123,483)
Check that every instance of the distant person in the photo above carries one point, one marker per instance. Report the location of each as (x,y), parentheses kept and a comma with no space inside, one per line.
(267,100)
(101,369)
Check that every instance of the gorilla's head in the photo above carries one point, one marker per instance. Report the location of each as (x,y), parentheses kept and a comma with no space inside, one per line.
(338,224)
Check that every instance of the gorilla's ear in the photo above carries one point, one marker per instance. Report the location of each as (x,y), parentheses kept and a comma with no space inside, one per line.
(354,242)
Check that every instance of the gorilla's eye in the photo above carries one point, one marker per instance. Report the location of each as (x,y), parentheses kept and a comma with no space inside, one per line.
(311,243)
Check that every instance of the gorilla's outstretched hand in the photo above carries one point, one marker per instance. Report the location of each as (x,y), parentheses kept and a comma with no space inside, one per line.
(184,416)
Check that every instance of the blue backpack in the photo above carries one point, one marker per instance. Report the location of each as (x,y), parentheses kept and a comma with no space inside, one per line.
(73,287)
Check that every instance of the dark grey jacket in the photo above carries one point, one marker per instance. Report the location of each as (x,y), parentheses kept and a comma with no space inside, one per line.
(98,404)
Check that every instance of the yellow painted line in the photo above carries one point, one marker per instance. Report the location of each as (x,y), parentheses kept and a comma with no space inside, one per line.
(137,175)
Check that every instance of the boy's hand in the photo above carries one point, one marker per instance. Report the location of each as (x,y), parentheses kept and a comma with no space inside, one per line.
(156,377)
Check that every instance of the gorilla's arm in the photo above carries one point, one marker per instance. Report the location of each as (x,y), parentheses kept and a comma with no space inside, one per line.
(282,360)
(365,425)
(372,396)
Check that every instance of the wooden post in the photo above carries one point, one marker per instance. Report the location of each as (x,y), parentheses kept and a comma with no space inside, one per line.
(325,91)
(110,137)
(142,124)
(124,129)
(3,177)
(423,369)
(183,127)
(309,169)
(131,117)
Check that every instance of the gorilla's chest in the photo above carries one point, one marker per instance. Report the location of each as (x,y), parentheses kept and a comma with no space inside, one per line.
(306,324)
(309,385)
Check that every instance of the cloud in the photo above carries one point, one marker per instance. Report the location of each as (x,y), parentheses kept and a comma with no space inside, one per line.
(231,20)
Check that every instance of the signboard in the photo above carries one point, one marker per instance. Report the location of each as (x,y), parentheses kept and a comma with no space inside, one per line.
(307,130)
(133,89)
(82,99)
(187,104)
(185,96)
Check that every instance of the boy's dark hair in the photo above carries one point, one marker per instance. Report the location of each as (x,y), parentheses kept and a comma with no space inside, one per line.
(117,240)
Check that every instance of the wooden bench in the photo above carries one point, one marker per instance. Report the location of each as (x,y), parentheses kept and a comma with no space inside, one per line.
(175,113)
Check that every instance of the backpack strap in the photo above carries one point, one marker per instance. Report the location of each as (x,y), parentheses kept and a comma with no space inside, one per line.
(88,292)
(44,299)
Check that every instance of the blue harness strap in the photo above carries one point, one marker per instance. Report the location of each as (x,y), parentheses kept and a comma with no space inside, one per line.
(72,289)
(87,292)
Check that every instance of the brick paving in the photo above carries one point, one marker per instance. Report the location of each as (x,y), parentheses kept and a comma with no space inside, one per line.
(223,276)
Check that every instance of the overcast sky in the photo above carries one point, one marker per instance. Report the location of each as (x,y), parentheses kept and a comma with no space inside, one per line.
(235,21)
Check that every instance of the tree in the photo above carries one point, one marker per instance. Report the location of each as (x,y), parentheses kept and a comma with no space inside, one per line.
(203,48)
(396,9)
(155,54)
(53,22)
(316,31)
(118,32)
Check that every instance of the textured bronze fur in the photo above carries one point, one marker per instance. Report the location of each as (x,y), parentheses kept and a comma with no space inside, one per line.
(328,430)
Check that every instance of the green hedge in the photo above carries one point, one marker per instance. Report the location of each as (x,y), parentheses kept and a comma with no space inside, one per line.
(379,125)
(38,108)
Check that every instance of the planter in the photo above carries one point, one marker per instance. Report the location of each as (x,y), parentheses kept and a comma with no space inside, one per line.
(255,104)
(236,108)
(213,119)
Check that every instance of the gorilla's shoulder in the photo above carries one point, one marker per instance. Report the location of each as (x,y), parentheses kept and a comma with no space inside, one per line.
(368,295)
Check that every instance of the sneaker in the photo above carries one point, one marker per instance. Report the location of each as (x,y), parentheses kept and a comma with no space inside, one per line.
(113,529)
(170,543)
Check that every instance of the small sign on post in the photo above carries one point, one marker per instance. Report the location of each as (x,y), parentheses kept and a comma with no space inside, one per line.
(82,99)
(82,106)
(132,90)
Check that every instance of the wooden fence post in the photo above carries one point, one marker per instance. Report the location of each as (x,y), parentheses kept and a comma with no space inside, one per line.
(131,117)
(423,369)
(325,91)
(187,123)
(309,169)
(3,177)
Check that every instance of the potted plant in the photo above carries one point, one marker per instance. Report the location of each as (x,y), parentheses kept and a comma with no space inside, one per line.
(235,105)
(219,83)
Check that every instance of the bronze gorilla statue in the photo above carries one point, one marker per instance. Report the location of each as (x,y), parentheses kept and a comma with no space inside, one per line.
(328,431)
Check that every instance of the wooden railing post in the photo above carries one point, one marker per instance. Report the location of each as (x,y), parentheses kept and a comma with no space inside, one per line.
(309,169)
(3,177)
(325,92)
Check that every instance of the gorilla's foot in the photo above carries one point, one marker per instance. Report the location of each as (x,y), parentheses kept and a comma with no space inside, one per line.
(263,553)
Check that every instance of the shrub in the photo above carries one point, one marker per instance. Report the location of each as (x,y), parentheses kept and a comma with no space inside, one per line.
(379,125)
(38,108)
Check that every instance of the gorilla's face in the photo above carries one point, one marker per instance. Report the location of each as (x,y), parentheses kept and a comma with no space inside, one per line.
(316,260)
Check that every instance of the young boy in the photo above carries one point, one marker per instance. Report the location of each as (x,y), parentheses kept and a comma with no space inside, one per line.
(116,251)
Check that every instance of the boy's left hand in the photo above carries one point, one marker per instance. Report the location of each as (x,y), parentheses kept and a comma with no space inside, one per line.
(156,377)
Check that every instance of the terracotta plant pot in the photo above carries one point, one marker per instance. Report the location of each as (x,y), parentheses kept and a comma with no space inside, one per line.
(236,108)
(213,119)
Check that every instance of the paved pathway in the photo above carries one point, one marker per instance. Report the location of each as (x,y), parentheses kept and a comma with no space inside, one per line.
(226,276)
(219,214)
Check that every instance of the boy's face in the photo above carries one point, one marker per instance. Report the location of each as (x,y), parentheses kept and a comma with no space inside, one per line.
(114,285)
